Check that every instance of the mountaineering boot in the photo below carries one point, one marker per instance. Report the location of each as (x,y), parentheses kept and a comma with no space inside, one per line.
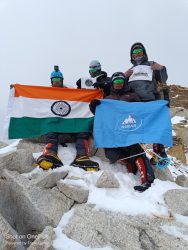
(146,174)
(143,187)
(50,160)
(83,161)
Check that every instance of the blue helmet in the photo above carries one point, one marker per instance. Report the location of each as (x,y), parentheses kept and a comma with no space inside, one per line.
(56,74)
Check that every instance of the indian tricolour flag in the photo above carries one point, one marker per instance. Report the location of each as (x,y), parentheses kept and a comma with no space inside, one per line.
(35,110)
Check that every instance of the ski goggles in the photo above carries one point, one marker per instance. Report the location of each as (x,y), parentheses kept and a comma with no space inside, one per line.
(93,70)
(56,79)
(118,81)
(137,51)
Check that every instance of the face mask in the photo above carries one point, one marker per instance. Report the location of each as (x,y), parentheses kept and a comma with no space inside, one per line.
(138,60)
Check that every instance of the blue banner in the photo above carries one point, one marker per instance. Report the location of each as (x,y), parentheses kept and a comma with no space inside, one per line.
(120,123)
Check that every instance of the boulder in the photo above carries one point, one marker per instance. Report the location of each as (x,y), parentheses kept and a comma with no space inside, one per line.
(49,179)
(44,240)
(7,237)
(73,191)
(20,160)
(182,180)
(178,151)
(177,201)
(163,174)
(30,208)
(31,146)
(96,228)
(107,180)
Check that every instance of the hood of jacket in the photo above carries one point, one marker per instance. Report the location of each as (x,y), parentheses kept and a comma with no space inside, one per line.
(138,45)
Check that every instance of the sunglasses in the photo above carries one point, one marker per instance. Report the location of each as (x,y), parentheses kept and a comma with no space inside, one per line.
(136,51)
(118,81)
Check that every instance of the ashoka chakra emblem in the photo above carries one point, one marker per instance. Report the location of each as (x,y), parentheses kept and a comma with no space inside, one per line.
(60,108)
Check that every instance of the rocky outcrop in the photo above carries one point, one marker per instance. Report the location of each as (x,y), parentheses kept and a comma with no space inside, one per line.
(7,237)
(75,192)
(44,240)
(30,208)
(97,228)
(178,96)
(177,200)
(20,160)
(48,179)
(182,180)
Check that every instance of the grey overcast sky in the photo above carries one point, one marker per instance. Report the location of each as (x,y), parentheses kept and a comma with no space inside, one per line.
(37,34)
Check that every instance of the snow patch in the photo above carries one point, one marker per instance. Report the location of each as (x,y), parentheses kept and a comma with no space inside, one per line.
(177,119)
(10,148)
(175,231)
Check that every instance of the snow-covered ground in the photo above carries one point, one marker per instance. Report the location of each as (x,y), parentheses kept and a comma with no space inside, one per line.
(123,199)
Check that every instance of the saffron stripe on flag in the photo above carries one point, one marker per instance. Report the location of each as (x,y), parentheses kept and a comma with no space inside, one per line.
(68,94)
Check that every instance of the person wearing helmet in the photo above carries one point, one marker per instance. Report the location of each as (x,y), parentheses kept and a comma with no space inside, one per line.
(138,161)
(99,78)
(56,77)
(143,78)
(49,158)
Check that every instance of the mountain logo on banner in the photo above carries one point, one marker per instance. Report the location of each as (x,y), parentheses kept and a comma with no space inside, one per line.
(129,123)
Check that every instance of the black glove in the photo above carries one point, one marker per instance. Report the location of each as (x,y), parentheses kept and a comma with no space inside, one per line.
(93,104)
(78,83)
(99,85)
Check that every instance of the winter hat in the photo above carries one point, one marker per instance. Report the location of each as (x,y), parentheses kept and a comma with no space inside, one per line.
(117,75)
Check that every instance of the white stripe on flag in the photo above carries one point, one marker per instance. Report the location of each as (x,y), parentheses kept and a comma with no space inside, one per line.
(41,108)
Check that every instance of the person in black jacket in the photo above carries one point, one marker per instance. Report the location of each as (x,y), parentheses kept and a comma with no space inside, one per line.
(99,78)
(143,78)
(137,159)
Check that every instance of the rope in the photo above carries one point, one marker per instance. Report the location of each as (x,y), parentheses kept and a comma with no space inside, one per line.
(131,156)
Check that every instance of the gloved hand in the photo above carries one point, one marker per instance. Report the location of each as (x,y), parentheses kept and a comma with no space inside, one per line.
(128,73)
(93,104)
(78,83)
(98,85)
(157,66)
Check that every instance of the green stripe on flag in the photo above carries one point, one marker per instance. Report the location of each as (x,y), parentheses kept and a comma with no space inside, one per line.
(27,127)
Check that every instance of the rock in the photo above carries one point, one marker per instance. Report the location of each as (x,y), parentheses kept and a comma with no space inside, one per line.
(99,152)
(3,144)
(98,228)
(75,192)
(7,238)
(163,174)
(49,179)
(107,180)
(30,208)
(20,160)
(177,201)
(178,151)
(44,240)
(31,146)
(182,180)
